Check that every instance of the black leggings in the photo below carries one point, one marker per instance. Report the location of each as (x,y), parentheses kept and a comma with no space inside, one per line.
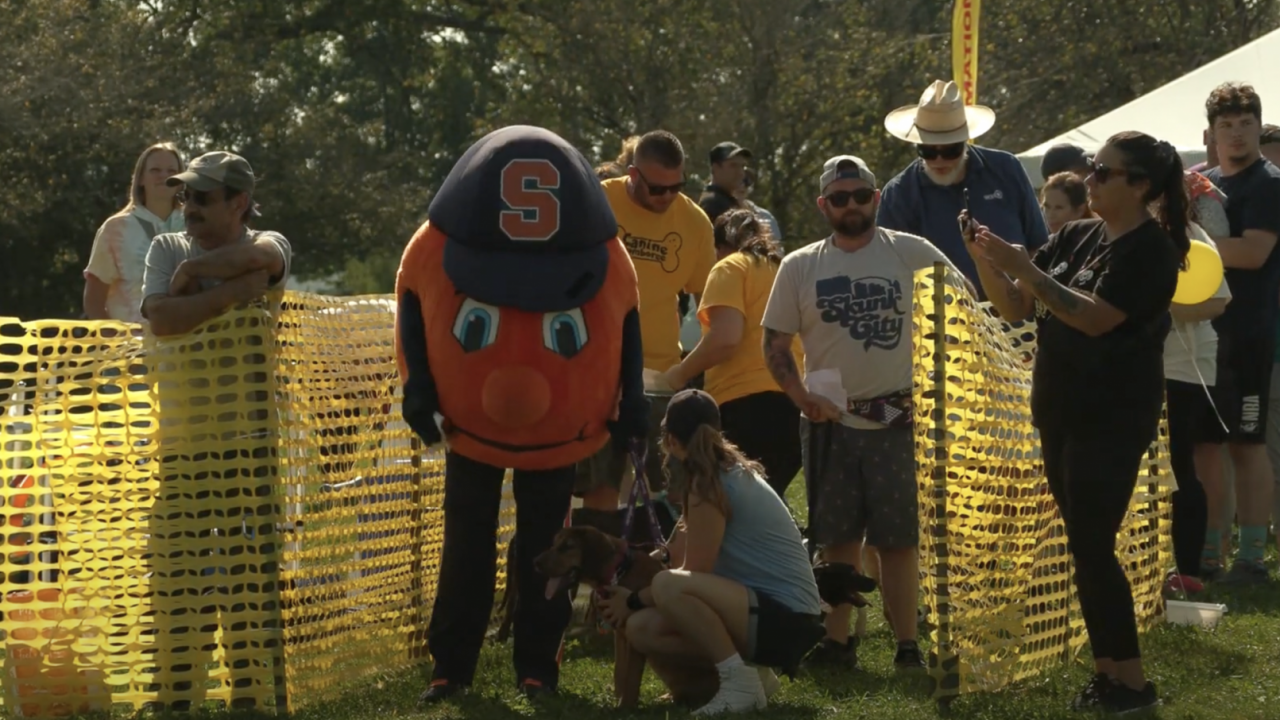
(766,428)
(468,564)
(1092,475)
(1186,403)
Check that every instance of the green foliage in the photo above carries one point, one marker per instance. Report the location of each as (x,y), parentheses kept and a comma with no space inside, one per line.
(353,111)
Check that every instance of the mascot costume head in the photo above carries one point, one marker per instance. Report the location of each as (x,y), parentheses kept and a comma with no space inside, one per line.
(515,335)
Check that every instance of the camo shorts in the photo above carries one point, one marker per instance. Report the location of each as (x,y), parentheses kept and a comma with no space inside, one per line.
(861,485)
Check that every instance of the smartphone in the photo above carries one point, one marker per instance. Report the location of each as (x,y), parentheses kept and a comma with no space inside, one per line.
(966,223)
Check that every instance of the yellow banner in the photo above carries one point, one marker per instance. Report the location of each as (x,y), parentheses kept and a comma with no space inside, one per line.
(964,48)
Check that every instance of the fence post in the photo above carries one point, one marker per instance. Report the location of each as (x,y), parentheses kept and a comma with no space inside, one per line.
(945,665)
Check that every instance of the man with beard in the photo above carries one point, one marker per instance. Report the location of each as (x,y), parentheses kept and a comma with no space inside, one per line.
(217,262)
(926,198)
(672,245)
(849,297)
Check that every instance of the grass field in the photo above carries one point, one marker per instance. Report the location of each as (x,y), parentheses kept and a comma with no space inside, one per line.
(1232,673)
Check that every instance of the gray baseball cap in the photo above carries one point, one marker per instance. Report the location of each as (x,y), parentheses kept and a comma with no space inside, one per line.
(214,169)
(841,167)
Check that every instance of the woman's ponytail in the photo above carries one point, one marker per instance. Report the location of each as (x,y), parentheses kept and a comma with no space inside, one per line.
(1175,206)
(1158,162)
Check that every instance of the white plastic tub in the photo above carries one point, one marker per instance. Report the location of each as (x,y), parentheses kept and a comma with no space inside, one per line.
(1206,615)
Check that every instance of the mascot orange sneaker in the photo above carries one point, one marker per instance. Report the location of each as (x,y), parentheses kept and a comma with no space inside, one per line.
(518,341)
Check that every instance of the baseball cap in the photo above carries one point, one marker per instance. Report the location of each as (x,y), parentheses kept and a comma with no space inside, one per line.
(1063,157)
(687,410)
(526,220)
(726,150)
(217,169)
(842,167)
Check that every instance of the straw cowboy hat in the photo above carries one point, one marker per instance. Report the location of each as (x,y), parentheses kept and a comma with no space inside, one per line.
(941,118)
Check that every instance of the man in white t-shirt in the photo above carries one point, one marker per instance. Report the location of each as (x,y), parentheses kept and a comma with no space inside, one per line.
(849,298)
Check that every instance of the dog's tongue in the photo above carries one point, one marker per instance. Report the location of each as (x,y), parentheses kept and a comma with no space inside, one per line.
(555,585)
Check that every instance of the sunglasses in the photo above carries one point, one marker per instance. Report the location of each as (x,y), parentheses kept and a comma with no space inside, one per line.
(946,152)
(1103,173)
(841,198)
(658,190)
(202,198)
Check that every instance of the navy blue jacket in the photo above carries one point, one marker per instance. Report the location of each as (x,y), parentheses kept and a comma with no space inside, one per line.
(1000,197)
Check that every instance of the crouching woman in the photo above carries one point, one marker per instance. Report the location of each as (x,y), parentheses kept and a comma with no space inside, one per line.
(741,589)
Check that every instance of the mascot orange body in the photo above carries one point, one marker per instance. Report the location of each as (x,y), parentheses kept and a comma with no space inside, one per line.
(518,341)
(521,389)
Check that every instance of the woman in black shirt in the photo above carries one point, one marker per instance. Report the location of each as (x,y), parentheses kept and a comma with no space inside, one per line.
(1100,292)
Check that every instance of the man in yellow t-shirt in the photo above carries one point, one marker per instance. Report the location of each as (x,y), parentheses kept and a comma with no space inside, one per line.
(672,245)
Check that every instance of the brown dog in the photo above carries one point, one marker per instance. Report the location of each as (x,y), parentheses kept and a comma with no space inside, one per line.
(607,522)
(586,555)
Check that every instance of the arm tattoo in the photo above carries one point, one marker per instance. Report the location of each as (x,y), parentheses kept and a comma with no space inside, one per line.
(1059,299)
(1013,292)
(777,353)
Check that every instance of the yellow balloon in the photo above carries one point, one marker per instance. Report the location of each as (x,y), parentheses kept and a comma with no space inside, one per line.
(1202,277)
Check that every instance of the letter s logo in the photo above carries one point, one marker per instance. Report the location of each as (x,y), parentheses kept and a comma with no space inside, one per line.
(530,194)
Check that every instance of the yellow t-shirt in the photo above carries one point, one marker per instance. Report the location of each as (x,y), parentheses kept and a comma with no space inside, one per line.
(742,282)
(673,251)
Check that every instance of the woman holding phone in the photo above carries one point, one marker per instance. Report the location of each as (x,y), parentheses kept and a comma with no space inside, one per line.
(1100,292)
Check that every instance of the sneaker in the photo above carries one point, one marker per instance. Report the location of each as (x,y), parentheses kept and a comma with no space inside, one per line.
(533,689)
(769,681)
(1176,585)
(831,652)
(740,691)
(439,691)
(908,658)
(1122,700)
(1247,572)
(1090,698)
(1210,570)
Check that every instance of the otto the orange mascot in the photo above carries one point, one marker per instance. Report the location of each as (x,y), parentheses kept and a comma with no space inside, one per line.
(518,339)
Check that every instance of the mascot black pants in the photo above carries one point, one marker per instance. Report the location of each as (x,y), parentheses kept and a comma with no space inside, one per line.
(468,565)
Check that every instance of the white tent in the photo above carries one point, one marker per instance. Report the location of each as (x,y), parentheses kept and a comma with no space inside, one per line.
(1175,112)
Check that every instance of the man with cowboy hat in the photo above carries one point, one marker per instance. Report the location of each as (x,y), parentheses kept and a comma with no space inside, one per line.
(926,198)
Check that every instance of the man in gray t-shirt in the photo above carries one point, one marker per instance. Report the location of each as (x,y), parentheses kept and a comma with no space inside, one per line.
(848,298)
(216,509)
(218,262)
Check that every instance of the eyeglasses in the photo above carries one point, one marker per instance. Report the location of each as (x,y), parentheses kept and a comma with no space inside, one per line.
(946,152)
(841,198)
(1103,173)
(657,190)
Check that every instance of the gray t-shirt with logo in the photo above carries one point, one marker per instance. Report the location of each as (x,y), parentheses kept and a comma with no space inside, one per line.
(852,310)
(168,251)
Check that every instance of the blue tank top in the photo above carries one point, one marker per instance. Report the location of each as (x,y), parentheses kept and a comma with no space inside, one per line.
(762,548)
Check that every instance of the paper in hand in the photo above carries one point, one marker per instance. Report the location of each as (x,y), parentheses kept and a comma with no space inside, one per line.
(829,385)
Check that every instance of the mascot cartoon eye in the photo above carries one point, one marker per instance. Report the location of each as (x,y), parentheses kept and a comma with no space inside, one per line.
(564,332)
(476,326)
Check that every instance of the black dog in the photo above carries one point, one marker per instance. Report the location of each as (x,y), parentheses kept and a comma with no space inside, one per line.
(842,584)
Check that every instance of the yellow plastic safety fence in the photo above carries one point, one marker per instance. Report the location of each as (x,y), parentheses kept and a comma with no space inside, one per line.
(234,517)
(997,578)
(240,516)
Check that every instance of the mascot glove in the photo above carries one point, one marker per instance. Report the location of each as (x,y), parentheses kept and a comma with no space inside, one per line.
(423,420)
(632,423)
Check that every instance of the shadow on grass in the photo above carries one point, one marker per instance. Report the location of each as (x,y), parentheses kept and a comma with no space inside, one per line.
(1244,600)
